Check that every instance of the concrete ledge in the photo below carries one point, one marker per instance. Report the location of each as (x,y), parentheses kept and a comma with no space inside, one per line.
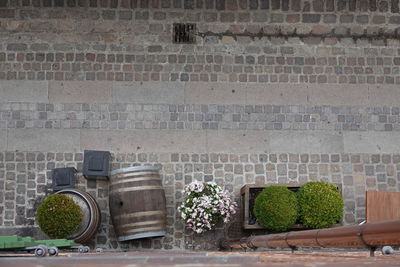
(23,91)
(371,142)
(291,94)
(144,140)
(274,142)
(80,92)
(199,141)
(338,94)
(148,92)
(306,142)
(3,140)
(237,141)
(384,95)
(65,140)
(276,94)
(215,93)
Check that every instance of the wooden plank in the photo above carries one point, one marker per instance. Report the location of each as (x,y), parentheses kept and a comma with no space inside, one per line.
(382,206)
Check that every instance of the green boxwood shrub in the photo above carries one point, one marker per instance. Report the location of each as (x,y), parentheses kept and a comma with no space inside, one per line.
(59,216)
(320,204)
(276,208)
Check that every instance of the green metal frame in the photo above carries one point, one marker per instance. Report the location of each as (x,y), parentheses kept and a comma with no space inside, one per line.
(15,242)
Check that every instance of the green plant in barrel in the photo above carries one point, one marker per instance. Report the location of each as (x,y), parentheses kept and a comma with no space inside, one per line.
(320,204)
(59,216)
(275,207)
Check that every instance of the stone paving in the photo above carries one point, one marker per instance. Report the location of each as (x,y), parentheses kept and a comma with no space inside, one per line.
(271,92)
(198,117)
(25,179)
(175,258)
(256,43)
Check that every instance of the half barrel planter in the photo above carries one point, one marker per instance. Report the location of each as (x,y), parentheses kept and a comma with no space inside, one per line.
(91,215)
(137,203)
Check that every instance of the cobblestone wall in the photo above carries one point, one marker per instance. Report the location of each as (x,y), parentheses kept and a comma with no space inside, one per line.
(25,179)
(187,117)
(237,41)
(273,91)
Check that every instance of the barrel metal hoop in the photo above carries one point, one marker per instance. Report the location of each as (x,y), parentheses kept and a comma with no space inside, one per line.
(94,214)
(142,223)
(141,214)
(134,180)
(121,176)
(143,229)
(136,168)
(149,187)
(142,235)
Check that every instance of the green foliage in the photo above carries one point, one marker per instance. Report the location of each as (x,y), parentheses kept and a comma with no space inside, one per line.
(320,204)
(59,216)
(276,208)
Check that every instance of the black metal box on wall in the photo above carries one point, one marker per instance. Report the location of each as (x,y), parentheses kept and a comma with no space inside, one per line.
(96,164)
(63,178)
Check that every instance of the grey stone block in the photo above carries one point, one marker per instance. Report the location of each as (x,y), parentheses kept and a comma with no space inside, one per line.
(383,95)
(305,142)
(311,18)
(65,140)
(237,141)
(148,92)
(215,93)
(80,92)
(138,141)
(371,142)
(276,94)
(24,91)
(336,94)
(3,140)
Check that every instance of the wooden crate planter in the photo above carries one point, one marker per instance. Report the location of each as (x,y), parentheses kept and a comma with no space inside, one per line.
(249,193)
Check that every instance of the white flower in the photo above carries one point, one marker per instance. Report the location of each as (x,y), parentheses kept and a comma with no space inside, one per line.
(204,204)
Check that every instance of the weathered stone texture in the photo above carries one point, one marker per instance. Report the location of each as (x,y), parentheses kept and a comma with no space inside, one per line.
(25,178)
(211,117)
(136,45)
(270,92)
(284,5)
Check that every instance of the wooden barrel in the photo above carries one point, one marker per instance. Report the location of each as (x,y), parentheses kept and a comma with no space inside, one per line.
(137,203)
(91,215)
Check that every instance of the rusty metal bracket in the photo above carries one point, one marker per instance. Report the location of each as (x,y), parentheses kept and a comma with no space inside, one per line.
(316,239)
(361,236)
(293,248)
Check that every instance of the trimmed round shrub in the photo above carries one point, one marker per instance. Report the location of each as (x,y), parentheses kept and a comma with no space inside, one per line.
(59,216)
(275,207)
(320,204)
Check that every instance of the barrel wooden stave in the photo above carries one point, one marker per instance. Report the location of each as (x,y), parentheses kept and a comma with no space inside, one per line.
(137,204)
(94,216)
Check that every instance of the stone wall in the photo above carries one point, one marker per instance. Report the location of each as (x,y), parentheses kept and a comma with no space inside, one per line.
(284,42)
(25,180)
(272,92)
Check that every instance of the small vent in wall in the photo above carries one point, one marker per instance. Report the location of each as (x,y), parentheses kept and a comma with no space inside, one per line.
(184,33)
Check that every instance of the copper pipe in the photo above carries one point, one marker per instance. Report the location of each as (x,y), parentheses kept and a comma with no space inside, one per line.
(303,239)
(369,235)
